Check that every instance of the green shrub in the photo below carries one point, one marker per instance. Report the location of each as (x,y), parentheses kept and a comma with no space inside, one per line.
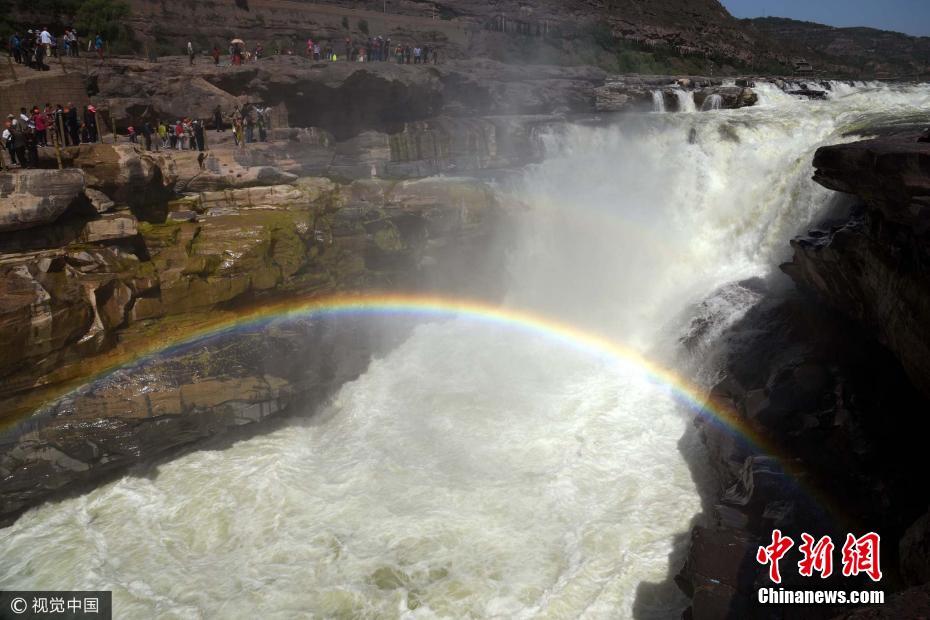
(363,26)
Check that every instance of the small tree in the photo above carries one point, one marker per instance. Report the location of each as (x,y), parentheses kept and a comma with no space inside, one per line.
(345,22)
(363,26)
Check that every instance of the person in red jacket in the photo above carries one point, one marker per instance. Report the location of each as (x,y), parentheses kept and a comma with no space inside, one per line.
(38,119)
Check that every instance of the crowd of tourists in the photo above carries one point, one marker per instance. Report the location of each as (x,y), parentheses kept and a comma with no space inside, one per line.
(36,45)
(182,134)
(375,49)
(249,123)
(33,48)
(29,130)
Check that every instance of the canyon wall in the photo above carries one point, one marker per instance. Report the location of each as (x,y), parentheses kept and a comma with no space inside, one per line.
(834,373)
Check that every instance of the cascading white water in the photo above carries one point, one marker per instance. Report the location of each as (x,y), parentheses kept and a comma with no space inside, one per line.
(685,100)
(477,471)
(658,101)
(713,102)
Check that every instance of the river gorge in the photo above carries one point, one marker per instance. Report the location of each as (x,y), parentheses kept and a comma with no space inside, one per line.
(526,448)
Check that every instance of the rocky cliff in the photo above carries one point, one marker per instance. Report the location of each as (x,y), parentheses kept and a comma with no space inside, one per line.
(834,373)
(578,32)
(147,246)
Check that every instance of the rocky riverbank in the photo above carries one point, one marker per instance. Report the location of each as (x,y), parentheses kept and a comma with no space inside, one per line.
(127,248)
(130,249)
(835,374)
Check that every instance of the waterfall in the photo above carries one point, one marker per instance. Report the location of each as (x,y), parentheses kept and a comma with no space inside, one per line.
(685,100)
(658,101)
(713,102)
(480,470)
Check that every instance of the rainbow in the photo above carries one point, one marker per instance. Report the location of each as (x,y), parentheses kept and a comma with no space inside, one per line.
(438,307)
(719,413)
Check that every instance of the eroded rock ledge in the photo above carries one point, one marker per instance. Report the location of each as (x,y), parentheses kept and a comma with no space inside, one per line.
(875,268)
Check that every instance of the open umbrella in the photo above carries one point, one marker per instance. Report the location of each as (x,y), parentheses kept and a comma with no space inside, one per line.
(237,42)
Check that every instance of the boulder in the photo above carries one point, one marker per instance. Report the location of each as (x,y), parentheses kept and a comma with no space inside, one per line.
(124,173)
(30,198)
(98,200)
(730,97)
(109,227)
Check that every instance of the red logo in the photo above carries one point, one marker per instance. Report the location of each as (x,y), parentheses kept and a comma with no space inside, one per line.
(817,557)
(860,555)
(773,553)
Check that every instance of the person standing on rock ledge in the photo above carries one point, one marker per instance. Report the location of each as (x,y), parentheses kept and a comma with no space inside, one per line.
(190,52)
(199,138)
(218,119)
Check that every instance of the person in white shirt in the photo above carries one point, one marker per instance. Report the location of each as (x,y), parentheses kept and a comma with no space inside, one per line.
(45,38)
(8,143)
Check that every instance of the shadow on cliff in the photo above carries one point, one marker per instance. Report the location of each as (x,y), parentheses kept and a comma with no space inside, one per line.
(822,391)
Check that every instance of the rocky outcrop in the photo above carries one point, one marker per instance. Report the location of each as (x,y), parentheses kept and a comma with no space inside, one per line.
(146,411)
(65,314)
(730,97)
(889,174)
(60,307)
(344,98)
(31,198)
(571,31)
(875,268)
(845,426)
(833,375)
(118,171)
(639,94)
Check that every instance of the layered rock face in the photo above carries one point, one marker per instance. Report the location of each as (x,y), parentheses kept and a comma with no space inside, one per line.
(35,197)
(875,268)
(834,375)
(545,30)
(346,98)
(116,273)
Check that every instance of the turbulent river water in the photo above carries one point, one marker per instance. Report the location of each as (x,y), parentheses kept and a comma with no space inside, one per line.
(476,471)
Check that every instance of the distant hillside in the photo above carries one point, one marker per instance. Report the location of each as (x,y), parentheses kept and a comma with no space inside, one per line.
(655,36)
(697,37)
(864,52)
